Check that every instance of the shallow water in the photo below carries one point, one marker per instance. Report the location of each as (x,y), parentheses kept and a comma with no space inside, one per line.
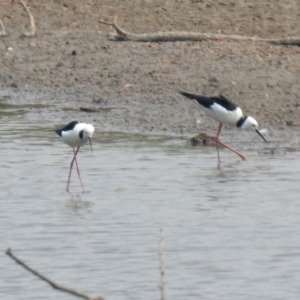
(229,234)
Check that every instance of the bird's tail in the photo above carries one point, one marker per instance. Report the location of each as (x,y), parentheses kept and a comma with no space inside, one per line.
(188,95)
(58,132)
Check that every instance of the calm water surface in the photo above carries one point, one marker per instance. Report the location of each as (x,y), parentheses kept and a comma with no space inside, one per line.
(229,234)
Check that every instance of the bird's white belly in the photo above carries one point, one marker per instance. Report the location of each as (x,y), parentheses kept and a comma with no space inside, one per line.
(223,115)
(72,139)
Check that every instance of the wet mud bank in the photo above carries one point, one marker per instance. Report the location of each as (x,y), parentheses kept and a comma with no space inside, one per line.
(72,64)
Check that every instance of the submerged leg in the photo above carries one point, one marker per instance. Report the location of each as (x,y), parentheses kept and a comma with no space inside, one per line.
(217,141)
(243,157)
(78,172)
(71,166)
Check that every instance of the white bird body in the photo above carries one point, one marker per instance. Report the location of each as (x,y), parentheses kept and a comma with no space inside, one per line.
(225,112)
(79,135)
(223,115)
(76,134)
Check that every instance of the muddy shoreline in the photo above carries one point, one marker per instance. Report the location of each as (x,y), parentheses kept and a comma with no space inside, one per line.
(72,64)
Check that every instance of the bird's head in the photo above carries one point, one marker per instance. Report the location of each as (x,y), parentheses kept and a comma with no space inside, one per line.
(89,131)
(251,123)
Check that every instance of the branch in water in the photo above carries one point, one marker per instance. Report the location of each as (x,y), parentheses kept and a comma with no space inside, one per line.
(54,284)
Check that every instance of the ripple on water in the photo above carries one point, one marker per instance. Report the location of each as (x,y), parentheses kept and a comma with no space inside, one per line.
(230,233)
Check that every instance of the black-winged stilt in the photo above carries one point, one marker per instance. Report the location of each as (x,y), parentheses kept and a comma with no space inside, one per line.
(76,134)
(225,112)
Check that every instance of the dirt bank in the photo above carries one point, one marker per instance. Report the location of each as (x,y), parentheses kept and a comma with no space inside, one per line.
(71,63)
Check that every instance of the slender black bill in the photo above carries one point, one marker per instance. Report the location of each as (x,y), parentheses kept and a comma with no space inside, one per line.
(261,135)
(91,144)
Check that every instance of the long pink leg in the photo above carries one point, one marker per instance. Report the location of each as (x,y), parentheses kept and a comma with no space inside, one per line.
(78,171)
(217,143)
(216,139)
(71,166)
(243,157)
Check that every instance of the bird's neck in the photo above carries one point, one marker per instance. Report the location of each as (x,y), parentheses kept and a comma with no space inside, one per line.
(241,121)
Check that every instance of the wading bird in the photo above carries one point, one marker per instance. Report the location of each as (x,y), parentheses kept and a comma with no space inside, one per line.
(76,134)
(225,112)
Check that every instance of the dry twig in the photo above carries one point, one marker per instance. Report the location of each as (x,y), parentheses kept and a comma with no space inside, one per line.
(9,4)
(292,123)
(2,32)
(100,109)
(171,36)
(51,282)
(32,33)
(93,110)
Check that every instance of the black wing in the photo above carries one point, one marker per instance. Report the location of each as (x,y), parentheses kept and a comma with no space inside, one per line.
(68,127)
(209,101)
